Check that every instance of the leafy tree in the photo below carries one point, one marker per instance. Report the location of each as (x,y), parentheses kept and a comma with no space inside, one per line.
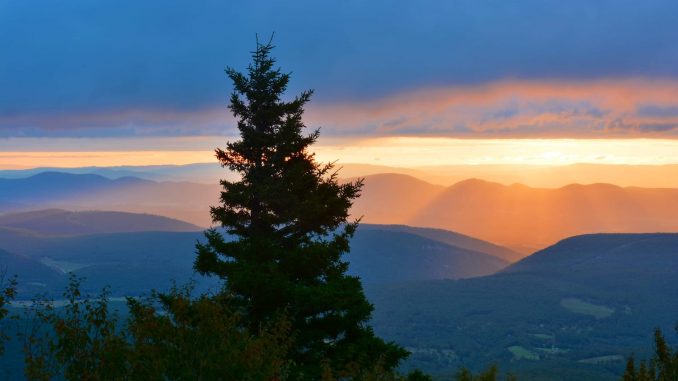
(663,366)
(177,337)
(289,216)
(418,375)
(490,374)
(7,294)
(80,342)
(167,337)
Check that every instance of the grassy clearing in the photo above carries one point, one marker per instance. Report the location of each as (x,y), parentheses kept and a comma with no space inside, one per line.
(541,336)
(520,352)
(62,266)
(579,306)
(554,351)
(602,359)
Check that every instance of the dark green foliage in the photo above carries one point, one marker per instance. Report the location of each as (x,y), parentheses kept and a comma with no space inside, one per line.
(79,343)
(7,294)
(630,372)
(167,337)
(180,338)
(663,366)
(490,374)
(289,216)
(418,375)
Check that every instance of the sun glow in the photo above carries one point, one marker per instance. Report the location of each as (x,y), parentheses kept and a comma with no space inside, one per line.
(388,151)
(74,159)
(416,152)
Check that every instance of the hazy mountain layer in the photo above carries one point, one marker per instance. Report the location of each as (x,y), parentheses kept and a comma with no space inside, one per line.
(386,256)
(515,216)
(518,215)
(545,176)
(62,222)
(134,263)
(389,198)
(453,239)
(179,200)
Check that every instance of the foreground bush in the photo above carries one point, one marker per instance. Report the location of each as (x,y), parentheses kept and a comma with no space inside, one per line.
(166,337)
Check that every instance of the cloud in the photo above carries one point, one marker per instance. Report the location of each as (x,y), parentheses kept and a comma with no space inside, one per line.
(125,123)
(507,109)
(549,109)
(84,57)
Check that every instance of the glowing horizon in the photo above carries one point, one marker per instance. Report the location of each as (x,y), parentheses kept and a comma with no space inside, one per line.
(405,152)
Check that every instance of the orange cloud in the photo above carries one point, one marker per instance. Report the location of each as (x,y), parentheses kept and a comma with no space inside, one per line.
(620,108)
(506,109)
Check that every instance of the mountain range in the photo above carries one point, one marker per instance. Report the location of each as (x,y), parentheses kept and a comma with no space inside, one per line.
(573,311)
(134,253)
(538,176)
(576,309)
(82,192)
(63,222)
(516,216)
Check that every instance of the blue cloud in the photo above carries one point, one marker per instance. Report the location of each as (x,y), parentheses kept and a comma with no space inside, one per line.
(100,56)
(657,111)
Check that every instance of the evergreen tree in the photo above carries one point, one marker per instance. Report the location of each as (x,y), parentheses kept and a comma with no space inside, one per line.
(662,367)
(288,214)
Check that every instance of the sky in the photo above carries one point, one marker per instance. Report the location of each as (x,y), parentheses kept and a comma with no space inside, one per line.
(396,82)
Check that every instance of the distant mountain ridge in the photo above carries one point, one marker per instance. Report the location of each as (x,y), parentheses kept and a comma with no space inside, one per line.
(198,172)
(573,311)
(536,176)
(55,190)
(46,185)
(382,255)
(390,198)
(63,222)
(453,239)
(518,215)
(649,253)
(135,253)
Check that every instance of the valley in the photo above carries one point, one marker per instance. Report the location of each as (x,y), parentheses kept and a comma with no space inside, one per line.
(451,293)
